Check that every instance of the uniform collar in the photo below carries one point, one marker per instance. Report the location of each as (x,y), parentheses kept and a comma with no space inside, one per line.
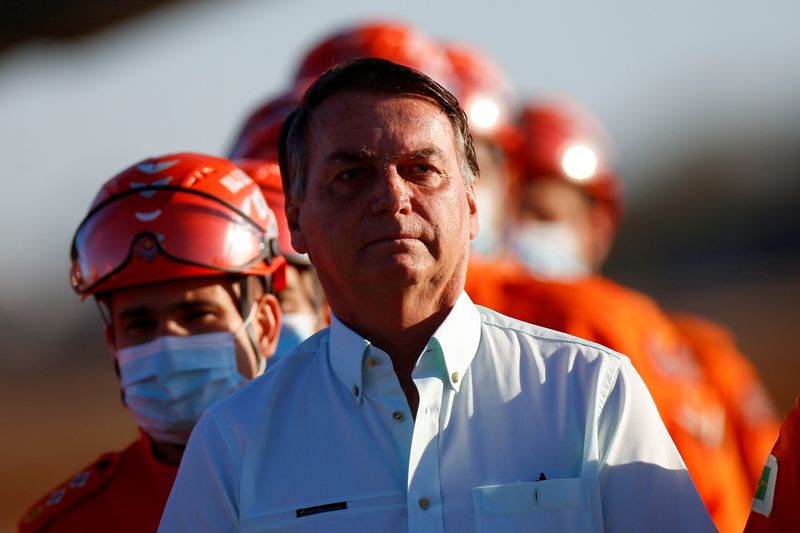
(456,339)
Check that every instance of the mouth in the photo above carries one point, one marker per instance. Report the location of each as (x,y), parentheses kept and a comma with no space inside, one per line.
(400,239)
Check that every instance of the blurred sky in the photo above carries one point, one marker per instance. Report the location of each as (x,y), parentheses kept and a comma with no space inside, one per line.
(661,76)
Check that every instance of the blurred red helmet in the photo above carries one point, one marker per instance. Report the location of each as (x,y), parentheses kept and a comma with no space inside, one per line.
(561,140)
(174,217)
(258,138)
(268,176)
(484,91)
(394,41)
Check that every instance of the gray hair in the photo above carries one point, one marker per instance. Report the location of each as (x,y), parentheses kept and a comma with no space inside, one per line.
(373,76)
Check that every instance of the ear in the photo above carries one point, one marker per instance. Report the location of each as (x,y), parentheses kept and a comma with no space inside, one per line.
(603,229)
(473,210)
(268,317)
(292,210)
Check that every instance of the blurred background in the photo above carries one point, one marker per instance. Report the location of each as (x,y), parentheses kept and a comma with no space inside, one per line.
(701,99)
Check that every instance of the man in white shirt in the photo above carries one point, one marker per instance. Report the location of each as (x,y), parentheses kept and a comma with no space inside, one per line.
(416,410)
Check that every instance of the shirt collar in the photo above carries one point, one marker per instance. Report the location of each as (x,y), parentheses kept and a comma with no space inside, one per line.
(346,353)
(457,338)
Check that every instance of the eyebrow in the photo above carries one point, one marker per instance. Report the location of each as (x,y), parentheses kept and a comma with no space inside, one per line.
(143,310)
(136,312)
(352,156)
(423,153)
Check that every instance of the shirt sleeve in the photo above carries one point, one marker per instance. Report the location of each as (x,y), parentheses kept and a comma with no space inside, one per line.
(643,481)
(206,491)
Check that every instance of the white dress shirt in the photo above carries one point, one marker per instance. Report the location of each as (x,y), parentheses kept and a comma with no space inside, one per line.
(518,428)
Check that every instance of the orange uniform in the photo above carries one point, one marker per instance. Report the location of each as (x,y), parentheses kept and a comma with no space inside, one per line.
(776,504)
(602,311)
(121,492)
(749,410)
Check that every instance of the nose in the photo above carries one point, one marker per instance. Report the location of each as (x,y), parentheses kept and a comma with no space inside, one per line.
(391,193)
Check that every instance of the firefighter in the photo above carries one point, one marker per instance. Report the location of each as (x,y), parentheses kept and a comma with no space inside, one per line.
(566,210)
(179,253)
(488,98)
(774,506)
(304,309)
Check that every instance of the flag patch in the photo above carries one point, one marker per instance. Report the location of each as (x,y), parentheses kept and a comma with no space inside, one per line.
(765,491)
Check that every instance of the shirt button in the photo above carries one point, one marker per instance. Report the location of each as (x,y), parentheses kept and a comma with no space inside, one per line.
(371,361)
(424,503)
(399,416)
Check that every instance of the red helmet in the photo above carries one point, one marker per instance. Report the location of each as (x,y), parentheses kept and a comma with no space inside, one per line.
(484,91)
(561,140)
(258,138)
(268,176)
(394,41)
(174,217)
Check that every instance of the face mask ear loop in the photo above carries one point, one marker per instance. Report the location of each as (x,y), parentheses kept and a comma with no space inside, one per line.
(248,312)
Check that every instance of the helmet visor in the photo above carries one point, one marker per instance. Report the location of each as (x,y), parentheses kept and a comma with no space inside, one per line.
(184,225)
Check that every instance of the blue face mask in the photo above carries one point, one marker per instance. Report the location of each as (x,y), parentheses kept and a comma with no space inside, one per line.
(295,328)
(171,380)
(550,250)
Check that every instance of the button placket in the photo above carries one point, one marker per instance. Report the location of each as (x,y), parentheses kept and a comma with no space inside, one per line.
(424,485)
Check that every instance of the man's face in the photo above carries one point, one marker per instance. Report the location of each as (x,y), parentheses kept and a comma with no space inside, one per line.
(180,308)
(385,205)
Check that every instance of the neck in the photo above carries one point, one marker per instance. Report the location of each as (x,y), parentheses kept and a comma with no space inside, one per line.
(402,326)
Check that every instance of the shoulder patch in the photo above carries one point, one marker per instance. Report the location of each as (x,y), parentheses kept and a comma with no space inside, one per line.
(765,491)
(74,490)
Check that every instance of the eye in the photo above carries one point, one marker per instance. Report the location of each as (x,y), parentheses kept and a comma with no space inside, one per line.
(422,168)
(351,174)
(419,171)
(200,315)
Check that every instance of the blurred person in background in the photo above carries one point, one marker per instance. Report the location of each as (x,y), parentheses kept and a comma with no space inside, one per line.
(304,310)
(258,137)
(488,98)
(775,506)
(391,40)
(566,209)
(178,253)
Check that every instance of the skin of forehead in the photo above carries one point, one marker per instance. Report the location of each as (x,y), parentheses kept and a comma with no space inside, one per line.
(351,103)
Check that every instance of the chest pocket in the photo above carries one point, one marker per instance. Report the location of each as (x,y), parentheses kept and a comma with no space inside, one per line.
(550,505)
(380,513)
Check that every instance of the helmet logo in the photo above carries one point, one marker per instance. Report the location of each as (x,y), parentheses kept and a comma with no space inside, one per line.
(147,217)
(235,181)
(155,168)
(157,183)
